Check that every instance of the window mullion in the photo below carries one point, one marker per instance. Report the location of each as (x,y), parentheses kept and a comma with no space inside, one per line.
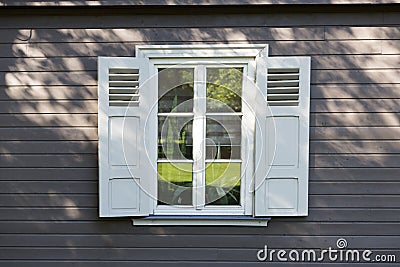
(199,111)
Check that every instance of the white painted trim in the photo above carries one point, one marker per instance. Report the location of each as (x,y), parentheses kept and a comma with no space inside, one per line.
(199,208)
(201,51)
(199,134)
(248,129)
(190,220)
(190,62)
(206,210)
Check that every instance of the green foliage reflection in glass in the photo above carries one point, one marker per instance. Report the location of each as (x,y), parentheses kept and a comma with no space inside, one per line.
(175,137)
(175,90)
(175,141)
(175,183)
(223,135)
(223,183)
(224,89)
(175,93)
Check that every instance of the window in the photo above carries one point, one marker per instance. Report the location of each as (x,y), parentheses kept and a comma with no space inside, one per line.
(204,130)
(200,139)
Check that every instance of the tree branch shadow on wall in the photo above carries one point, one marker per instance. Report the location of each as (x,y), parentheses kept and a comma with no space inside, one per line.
(48,134)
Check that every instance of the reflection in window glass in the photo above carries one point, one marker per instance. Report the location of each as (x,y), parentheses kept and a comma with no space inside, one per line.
(175,90)
(224,89)
(222,133)
(223,183)
(223,137)
(175,138)
(175,183)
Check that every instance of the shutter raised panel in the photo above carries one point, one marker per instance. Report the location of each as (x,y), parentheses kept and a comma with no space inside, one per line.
(124,166)
(282,136)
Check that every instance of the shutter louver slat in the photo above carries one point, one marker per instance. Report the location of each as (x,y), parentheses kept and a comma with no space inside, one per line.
(283,87)
(123,87)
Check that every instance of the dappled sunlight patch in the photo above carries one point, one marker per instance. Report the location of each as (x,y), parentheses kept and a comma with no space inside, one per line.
(336,32)
(356,76)
(355,119)
(42,92)
(391,47)
(73,213)
(354,161)
(354,147)
(24,50)
(232,34)
(362,91)
(49,64)
(323,47)
(297,33)
(354,133)
(29,120)
(355,105)
(50,78)
(345,62)
(45,106)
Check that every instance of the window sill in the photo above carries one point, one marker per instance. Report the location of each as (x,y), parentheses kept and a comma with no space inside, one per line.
(201,220)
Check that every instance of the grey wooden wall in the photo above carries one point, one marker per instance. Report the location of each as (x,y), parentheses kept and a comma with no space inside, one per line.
(48,136)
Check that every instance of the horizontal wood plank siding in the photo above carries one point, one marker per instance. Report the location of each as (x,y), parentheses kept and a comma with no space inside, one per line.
(48,137)
(127,3)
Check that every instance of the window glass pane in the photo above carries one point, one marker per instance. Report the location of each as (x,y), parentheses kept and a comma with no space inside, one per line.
(224,89)
(223,137)
(175,139)
(175,183)
(223,183)
(175,90)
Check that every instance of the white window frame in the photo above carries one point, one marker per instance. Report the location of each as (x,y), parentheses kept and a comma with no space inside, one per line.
(246,158)
(200,58)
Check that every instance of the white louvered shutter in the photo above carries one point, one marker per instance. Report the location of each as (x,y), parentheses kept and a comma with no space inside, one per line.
(282,136)
(125,170)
